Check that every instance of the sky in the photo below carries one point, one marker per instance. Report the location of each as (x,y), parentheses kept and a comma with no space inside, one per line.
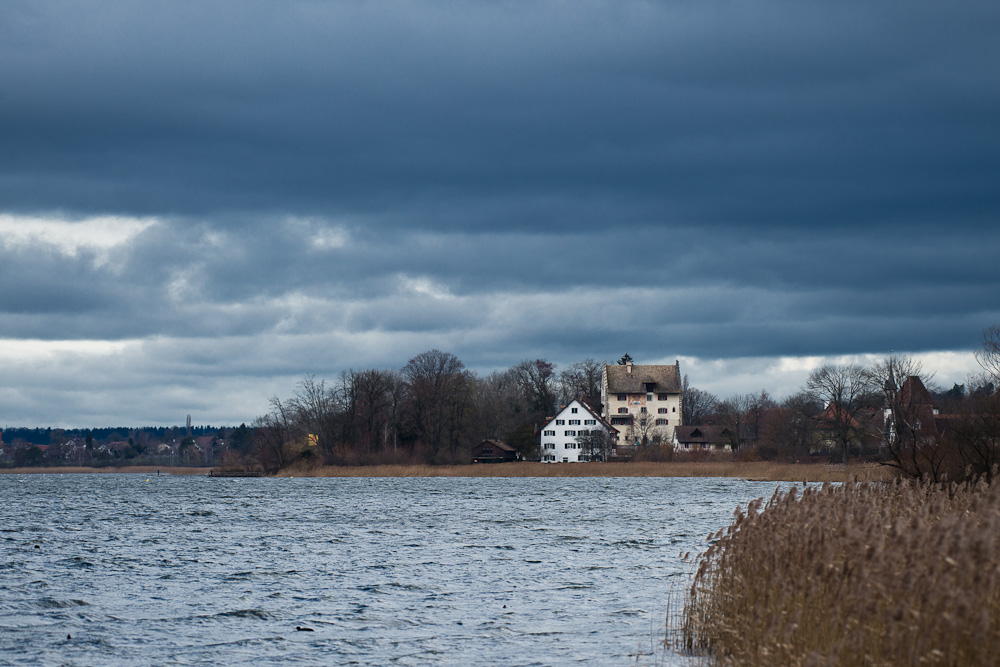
(202,201)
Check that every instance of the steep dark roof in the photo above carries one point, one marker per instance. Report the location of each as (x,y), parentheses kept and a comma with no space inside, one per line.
(590,410)
(914,393)
(702,434)
(499,444)
(665,379)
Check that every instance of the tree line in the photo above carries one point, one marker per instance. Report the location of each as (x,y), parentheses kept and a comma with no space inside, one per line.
(432,410)
(891,412)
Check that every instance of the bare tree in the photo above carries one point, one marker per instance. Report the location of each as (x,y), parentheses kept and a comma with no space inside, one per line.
(501,408)
(907,432)
(844,391)
(989,355)
(538,385)
(696,404)
(273,436)
(786,430)
(596,443)
(369,412)
(313,407)
(974,434)
(642,431)
(735,414)
(582,380)
(439,392)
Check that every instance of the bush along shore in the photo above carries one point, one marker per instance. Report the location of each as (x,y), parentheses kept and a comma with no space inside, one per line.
(904,573)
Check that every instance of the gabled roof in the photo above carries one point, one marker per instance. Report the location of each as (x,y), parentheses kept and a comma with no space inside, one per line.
(831,417)
(914,393)
(499,444)
(562,414)
(636,379)
(702,434)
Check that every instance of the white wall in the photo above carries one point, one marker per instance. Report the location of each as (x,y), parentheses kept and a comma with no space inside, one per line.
(558,444)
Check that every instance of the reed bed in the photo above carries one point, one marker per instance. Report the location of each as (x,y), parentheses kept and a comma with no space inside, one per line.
(855,574)
(755,470)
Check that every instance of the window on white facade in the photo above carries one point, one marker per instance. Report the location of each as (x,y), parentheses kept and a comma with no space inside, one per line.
(560,422)
(649,397)
(642,410)
(549,433)
(674,410)
(549,457)
(590,422)
(583,432)
(574,422)
(622,397)
(623,411)
(571,433)
(661,411)
(661,422)
(573,410)
(550,445)
(661,397)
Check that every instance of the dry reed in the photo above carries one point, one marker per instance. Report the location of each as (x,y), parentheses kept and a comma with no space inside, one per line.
(858,574)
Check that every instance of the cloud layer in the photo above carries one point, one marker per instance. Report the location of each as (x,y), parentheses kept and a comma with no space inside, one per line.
(228,195)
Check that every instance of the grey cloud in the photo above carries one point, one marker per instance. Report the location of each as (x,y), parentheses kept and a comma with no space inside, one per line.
(771,113)
(341,184)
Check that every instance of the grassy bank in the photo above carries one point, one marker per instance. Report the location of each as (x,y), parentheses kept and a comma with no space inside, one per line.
(762,470)
(853,575)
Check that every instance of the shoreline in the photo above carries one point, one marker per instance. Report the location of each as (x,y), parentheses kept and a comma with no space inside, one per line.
(765,471)
(86,470)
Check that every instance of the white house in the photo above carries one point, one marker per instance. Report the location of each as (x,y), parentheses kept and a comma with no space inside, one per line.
(642,402)
(559,443)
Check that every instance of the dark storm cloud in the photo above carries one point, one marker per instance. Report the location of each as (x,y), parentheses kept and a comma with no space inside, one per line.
(447,115)
(329,185)
(770,293)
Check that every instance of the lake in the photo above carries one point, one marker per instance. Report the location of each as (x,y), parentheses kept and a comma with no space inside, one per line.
(127,569)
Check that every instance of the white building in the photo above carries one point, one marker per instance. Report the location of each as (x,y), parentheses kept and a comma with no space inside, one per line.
(560,434)
(642,402)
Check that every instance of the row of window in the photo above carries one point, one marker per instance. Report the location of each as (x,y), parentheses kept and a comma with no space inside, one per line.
(576,422)
(624,421)
(582,431)
(568,445)
(660,411)
(649,397)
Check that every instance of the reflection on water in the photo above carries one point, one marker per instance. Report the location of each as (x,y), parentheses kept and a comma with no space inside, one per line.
(130,569)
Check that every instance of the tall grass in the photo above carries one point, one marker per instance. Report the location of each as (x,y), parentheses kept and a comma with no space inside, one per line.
(859,574)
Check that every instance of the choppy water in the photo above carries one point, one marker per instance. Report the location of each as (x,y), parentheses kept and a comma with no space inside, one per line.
(137,570)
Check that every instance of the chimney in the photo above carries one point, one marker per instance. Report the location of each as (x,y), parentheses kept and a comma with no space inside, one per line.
(628,367)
